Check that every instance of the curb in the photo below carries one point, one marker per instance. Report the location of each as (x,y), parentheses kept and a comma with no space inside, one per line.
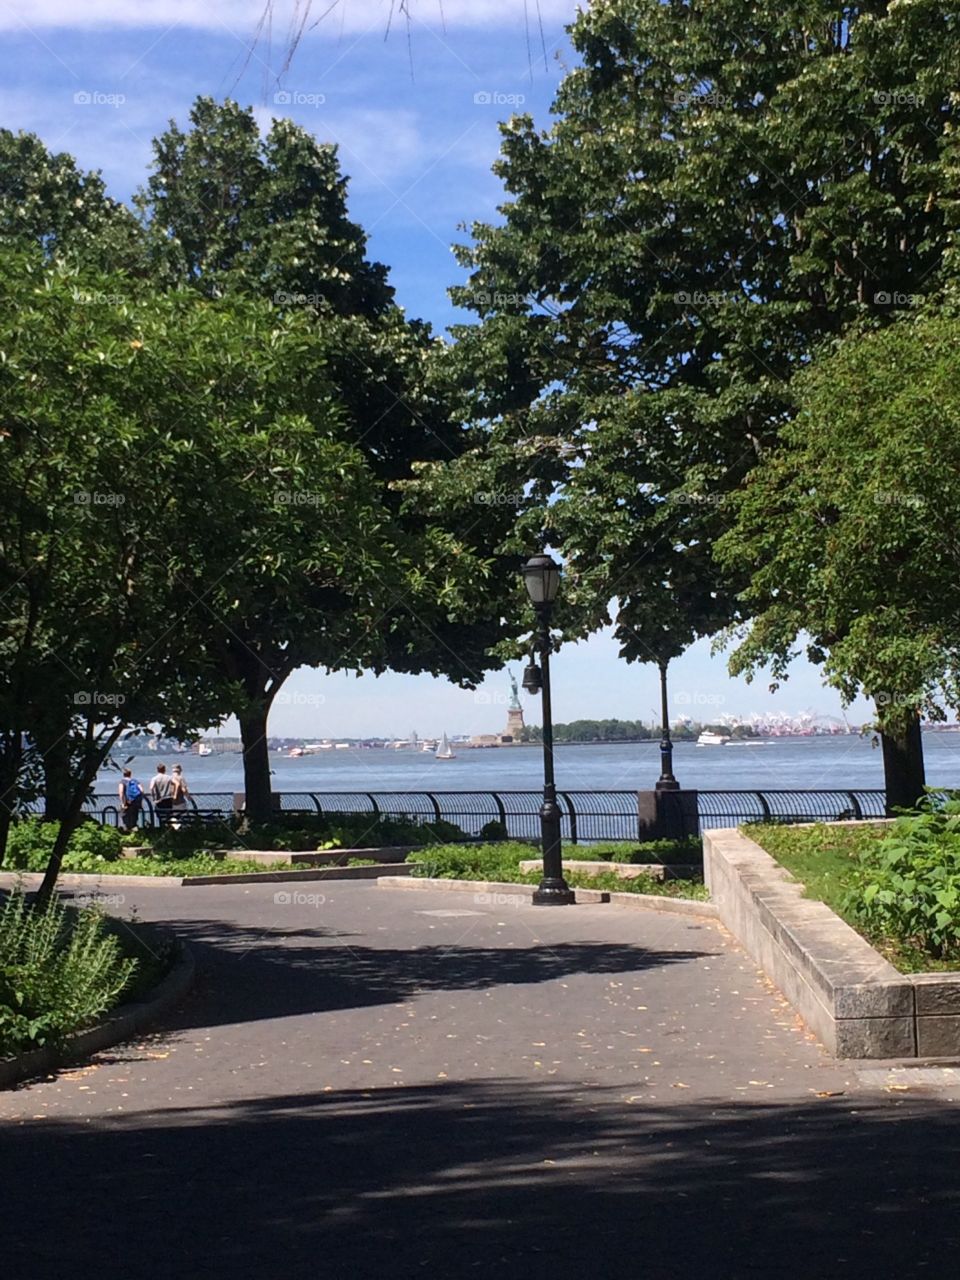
(648,901)
(853,999)
(115,1028)
(310,873)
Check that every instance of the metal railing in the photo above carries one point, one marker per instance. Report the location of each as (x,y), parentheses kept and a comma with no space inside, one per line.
(586,815)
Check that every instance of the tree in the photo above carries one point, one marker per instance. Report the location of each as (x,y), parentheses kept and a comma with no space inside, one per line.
(724,186)
(849,532)
(46,203)
(166,492)
(230,214)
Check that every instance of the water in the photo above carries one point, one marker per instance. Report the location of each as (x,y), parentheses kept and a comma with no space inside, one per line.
(803,763)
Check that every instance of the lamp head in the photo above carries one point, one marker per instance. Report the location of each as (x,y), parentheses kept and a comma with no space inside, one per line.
(541,574)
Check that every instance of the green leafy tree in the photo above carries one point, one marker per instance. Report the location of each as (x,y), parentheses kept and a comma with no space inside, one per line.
(724,186)
(849,533)
(166,493)
(47,203)
(229,213)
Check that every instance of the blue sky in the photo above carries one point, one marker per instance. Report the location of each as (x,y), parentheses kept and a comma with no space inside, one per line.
(416,122)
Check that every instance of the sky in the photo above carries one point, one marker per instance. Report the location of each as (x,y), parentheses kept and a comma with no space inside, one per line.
(414,107)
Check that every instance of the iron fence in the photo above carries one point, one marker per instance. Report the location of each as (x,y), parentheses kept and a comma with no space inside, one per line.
(587,816)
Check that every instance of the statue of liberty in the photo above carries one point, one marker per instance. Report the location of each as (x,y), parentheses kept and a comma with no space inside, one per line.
(514,696)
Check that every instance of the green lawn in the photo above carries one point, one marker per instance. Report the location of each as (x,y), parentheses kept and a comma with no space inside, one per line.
(501,862)
(825,859)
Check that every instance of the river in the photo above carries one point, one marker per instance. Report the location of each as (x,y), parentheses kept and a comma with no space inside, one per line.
(804,763)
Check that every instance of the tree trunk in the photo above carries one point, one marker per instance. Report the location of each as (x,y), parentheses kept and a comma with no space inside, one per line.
(11,762)
(58,782)
(256,763)
(903,770)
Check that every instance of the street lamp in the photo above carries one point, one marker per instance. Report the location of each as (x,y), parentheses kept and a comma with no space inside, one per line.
(541,575)
(666,781)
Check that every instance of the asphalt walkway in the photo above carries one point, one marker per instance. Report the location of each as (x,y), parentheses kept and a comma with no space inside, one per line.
(419,1083)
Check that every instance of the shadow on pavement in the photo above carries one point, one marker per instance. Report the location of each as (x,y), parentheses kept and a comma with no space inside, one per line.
(248,974)
(473,1179)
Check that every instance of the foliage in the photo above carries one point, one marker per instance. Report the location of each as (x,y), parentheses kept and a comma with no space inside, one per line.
(47,203)
(723,187)
(850,866)
(58,972)
(500,863)
(230,213)
(91,846)
(850,525)
(909,885)
(299,832)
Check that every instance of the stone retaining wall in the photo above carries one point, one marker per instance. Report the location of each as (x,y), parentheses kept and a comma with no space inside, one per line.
(858,1004)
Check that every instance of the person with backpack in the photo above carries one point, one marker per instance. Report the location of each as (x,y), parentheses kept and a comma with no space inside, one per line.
(131,800)
(161,793)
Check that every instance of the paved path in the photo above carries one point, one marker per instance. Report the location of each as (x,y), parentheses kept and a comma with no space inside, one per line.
(413,1083)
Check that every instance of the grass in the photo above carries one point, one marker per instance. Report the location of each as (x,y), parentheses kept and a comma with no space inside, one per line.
(195,864)
(825,858)
(501,863)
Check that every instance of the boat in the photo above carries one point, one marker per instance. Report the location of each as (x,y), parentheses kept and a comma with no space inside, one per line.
(710,739)
(295,752)
(204,750)
(445,751)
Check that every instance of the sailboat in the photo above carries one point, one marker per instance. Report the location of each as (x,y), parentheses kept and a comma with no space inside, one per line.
(445,751)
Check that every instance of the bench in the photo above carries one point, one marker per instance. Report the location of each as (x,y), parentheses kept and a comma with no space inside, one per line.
(180,818)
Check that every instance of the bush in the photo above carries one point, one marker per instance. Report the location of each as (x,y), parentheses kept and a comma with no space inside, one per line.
(909,882)
(473,861)
(58,972)
(30,844)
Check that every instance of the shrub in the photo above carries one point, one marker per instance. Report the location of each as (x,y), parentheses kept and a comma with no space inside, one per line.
(472,861)
(30,844)
(909,882)
(58,972)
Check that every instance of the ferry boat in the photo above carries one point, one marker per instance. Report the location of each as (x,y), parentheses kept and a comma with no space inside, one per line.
(710,739)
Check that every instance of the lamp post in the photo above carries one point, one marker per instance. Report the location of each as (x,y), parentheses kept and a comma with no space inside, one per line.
(541,574)
(666,781)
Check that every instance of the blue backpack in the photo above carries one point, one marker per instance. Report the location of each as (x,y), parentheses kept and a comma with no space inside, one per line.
(133,790)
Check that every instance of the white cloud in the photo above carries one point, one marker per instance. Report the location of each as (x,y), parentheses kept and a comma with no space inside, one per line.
(351,16)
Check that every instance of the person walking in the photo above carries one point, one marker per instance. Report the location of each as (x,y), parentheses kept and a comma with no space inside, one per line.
(131,800)
(161,793)
(179,792)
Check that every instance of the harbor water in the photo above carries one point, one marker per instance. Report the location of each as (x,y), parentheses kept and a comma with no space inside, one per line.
(779,763)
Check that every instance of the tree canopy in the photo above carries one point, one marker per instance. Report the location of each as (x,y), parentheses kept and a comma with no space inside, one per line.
(724,187)
(849,528)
